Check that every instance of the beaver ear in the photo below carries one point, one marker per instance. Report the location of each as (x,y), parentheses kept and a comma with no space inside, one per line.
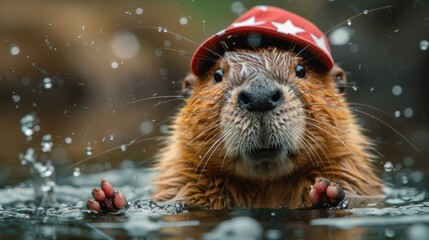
(188,85)
(339,75)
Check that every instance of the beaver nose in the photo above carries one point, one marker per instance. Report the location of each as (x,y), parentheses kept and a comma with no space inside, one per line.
(260,98)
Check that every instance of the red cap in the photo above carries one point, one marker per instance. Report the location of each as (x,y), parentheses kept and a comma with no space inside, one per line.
(264,26)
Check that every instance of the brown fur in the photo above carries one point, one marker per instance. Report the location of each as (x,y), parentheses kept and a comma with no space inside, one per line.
(201,164)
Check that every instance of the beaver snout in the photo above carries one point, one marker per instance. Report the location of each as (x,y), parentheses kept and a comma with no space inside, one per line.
(260,95)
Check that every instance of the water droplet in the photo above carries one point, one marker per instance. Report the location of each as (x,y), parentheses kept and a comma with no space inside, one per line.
(114,64)
(47,83)
(397,113)
(424,45)
(76,172)
(396,90)
(159,29)
(123,147)
(388,166)
(16,98)
(29,125)
(404,179)
(163,128)
(124,44)
(68,140)
(46,144)
(139,11)
(183,20)
(88,151)
(340,36)
(163,71)
(355,88)
(146,127)
(365,11)
(167,43)
(14,49)
(237,7)
(389,233)
(349,22)
(408,112)
(408,161)
(273,214)
(354,48)
(111,137)
(158,52)
(165,30)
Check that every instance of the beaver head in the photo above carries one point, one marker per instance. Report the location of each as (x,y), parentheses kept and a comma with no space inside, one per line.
(260,114)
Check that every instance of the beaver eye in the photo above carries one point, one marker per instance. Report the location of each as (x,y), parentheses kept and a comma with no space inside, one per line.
(218,75)
(300,71)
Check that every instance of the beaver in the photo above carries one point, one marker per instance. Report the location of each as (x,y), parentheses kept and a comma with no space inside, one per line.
(261,124)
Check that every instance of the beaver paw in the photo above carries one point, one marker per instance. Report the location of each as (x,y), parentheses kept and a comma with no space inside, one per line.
(327,194)
(106,199)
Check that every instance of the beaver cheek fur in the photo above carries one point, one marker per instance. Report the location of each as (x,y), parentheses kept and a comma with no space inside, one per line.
(261,145)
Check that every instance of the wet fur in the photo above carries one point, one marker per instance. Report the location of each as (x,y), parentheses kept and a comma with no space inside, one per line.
(202,163)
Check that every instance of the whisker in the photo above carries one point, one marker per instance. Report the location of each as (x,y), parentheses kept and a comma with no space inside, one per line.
(216,145)
(214,125)
(373,117)
(177,35)
(154,98)
(332,135)
(176,97)
(345,132)
(358,15)
(227,150)
(136,140)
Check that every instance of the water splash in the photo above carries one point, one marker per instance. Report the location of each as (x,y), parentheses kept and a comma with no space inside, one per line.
(29,125)
(46,144)
(42,174)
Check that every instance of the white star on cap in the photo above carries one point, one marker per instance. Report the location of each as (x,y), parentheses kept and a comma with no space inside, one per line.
(263,8)
(287,27)
(320,42)
(249,22)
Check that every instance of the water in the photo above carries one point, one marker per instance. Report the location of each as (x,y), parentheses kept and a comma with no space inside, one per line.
(404,215)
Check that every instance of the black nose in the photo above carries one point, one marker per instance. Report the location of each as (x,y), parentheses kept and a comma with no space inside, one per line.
(260,97)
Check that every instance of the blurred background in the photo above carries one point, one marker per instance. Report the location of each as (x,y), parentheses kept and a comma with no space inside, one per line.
(70,71)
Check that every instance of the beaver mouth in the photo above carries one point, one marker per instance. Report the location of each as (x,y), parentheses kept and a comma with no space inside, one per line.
(261,155)
(265,152)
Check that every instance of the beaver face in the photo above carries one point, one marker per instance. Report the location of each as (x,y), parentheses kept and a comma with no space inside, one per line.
(263,115)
